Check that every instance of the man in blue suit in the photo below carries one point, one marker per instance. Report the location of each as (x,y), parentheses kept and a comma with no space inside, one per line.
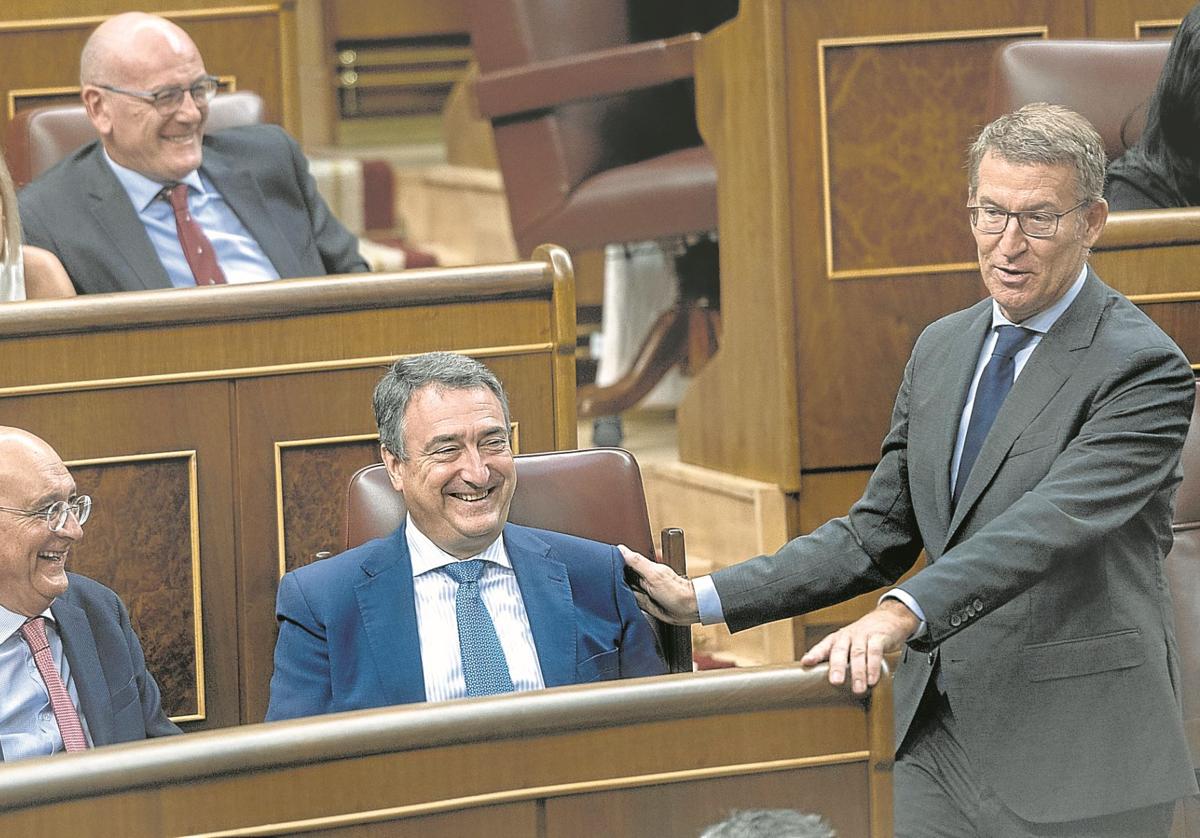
(71,666)
(456,602)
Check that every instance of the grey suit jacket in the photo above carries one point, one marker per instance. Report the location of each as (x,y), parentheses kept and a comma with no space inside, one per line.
(118,697)
(1044,587)
(80,212)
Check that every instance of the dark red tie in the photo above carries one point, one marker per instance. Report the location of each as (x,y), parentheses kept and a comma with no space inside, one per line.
(197,249)
(34,632)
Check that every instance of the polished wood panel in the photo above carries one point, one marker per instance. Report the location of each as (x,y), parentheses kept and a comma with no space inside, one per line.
(656,756)
(1136,18)
(238,375)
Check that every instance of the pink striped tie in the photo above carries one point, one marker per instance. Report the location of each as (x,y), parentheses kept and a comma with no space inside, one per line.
(34,632)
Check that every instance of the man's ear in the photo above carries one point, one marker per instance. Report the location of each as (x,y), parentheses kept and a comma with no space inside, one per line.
(393,465)
(97,110)
(1095,216)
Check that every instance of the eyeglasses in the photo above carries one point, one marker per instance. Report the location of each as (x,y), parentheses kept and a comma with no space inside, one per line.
(57,513)
(167,100)
(1037,224)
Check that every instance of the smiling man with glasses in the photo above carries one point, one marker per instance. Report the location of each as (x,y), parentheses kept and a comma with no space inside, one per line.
(72,674)
(157,202)
(1033,460)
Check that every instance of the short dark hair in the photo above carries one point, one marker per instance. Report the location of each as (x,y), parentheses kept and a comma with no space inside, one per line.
(770,823)
(447,370)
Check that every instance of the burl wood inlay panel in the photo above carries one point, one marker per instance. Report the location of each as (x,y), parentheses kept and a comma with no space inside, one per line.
(899,118)
(314,479)
(139,542)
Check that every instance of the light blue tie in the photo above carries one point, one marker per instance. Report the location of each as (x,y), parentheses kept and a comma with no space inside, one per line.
(485,668)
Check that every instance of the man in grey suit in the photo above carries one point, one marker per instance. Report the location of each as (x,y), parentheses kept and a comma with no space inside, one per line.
(1037,688)
(107,211)
(72,669)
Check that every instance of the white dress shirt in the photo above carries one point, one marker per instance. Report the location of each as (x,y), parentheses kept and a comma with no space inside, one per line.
(709,601)
(27,724)
(437,621)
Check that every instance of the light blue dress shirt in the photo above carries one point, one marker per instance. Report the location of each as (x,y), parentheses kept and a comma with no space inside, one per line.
(707,599)
(238,253)
(27,725)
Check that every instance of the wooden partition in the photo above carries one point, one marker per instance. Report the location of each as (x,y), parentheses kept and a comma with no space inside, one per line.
(217,428)
(839,132)
(248,46)
(657,757)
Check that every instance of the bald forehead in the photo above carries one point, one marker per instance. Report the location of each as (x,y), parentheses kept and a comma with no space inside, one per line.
(134,42)
(29,468)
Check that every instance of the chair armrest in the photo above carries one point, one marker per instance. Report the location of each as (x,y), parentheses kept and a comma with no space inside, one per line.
(545,84)
(1150,228)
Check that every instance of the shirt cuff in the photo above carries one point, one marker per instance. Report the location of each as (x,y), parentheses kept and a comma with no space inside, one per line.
(911,604)
(708,602)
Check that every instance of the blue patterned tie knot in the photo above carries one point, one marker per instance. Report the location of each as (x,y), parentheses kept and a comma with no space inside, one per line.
(993,387)
(485,669)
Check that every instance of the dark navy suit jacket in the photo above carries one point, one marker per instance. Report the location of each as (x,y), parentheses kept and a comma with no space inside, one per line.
(118,697)
(348,625)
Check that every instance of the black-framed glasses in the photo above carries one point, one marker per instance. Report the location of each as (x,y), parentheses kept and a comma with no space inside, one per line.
(56,514)
(167,100)
(1037,224)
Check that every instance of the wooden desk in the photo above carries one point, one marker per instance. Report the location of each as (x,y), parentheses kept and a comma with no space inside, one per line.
(217,428)
(658,757)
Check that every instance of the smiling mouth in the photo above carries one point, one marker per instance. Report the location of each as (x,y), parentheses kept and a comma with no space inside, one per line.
(472,497)
(53,555)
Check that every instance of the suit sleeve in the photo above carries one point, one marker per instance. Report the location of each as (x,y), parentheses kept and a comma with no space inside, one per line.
(870,547)
(639,649)
(1123,460)
(156,721)
(337,245)
(300,684)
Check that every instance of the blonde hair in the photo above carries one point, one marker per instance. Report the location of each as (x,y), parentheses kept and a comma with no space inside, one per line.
(10,232)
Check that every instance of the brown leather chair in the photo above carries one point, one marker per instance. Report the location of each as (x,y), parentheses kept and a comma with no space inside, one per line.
(1109,82)
(596,139)
(595,493)
(40,137)
(1183,576)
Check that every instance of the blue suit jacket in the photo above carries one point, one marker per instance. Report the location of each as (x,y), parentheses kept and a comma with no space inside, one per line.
(119,698)
(348,624)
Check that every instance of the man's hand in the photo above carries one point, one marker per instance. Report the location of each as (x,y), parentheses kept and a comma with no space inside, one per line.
(862,644)
(661,591)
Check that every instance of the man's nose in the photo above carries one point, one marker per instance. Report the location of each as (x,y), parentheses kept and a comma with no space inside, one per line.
(473,468)
(72,530)
(1013,238)
(188,110)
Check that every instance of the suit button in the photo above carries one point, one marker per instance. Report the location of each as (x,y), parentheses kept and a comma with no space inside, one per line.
(971,611)
(978,605)
(955,620)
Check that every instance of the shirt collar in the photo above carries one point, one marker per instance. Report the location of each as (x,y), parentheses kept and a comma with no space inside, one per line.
(11,622)
(1043,320)
(427,556)
(143,190)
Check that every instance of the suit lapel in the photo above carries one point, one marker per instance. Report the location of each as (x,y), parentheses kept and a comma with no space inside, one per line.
(389,615)
(546,591)
(79,646)
(241,192)
(952,394)
(1044,373)
(115,213)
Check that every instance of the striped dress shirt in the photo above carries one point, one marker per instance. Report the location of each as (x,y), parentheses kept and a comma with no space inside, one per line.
(437,623)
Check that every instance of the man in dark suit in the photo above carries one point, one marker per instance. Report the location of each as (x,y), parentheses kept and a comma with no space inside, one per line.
(71,666)
(248,208)
(1037,688)
(456,602)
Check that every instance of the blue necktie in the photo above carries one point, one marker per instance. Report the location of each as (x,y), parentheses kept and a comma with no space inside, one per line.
(994,384)
(485,668)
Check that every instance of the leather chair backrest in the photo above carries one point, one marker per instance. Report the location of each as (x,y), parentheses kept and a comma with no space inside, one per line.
(545,156)
(1183,576)
(40,137)
(594,493)
(1109,82)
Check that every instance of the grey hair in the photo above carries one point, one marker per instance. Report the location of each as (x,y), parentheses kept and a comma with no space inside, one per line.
(10,233)
(446,370)
(1042,134)
(770,823)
